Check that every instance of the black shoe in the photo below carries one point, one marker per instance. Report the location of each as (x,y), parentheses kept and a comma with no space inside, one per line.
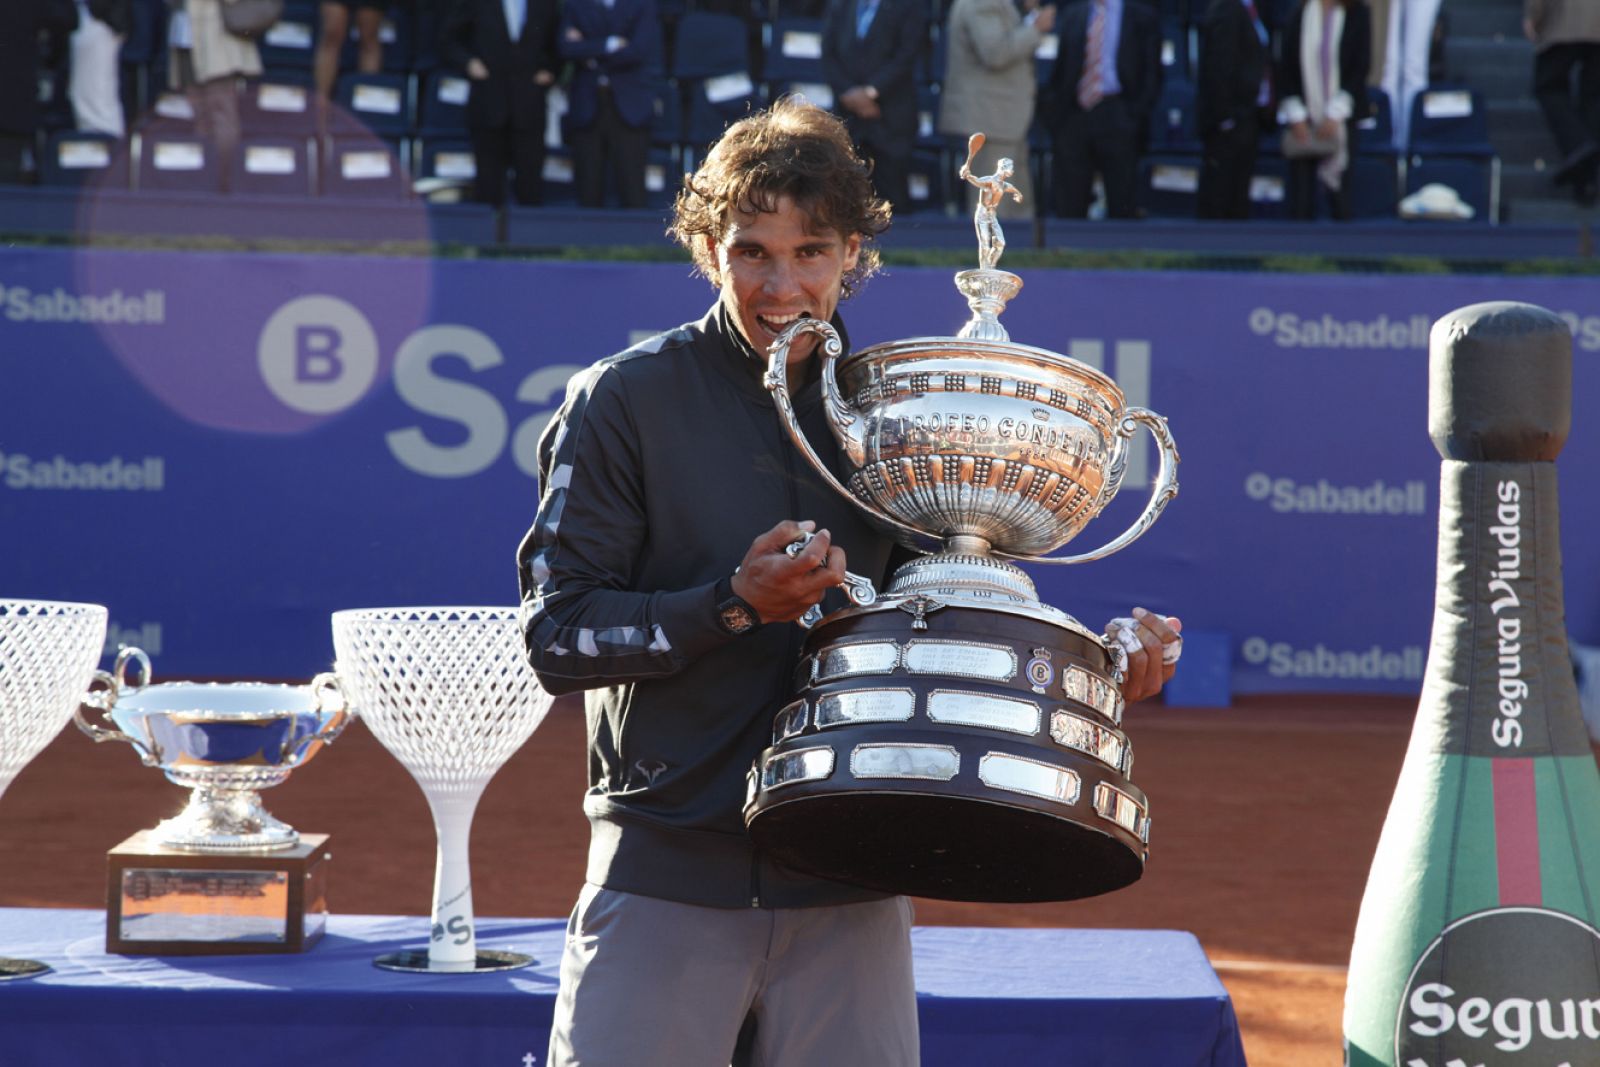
(1574,163)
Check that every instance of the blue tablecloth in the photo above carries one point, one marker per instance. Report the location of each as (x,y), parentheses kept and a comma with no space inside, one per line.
(1013,997)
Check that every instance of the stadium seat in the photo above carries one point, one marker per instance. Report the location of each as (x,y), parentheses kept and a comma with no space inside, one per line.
(395,33)
(1374,185)
(1375,130)
(442,104)
(280,102)
(292,41)
(72,159)
(560,183)
(1475,180)
(1175,49)
(1173,127)
(716,103)
(171,162)
(272,166)
(1269,187)
(663,177)
(445,161)
(816,92)
(379,103)
(363,166)
(666,127)
(794,51)
(1449,120)
(928,180)
(1169,186)
(711,45)
(928,135)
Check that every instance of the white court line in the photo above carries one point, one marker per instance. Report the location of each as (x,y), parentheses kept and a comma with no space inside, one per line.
(1268,965)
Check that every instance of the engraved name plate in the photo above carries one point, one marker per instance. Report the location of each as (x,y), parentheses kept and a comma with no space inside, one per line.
(866,705)
(788,722)
(1116,806)
(1092,739)
(938,763)
(868,657)
(1018,775)
(1094,692)
(961,658)
(980,709)
(166,904)
(803,765)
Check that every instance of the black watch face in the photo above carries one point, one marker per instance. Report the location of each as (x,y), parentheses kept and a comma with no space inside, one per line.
(736,617)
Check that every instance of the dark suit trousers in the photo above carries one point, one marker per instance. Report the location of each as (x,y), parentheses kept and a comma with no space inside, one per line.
(890,171)
(610,143)
(501,148)
(1104,141)
(1574,119)
(1227,164)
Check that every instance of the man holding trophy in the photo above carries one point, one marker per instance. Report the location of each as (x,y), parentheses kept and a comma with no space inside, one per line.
(679,534)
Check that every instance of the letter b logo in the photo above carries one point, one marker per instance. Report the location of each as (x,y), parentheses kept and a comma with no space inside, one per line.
(318,354)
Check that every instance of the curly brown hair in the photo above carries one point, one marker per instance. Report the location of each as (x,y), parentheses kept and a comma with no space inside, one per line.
(792,149)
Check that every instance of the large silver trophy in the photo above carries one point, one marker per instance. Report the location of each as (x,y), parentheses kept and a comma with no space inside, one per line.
(223,876)
(48,652)
(954,737)
(448,691)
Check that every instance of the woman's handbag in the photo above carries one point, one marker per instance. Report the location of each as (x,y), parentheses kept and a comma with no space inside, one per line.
(250,18)
(1313,147)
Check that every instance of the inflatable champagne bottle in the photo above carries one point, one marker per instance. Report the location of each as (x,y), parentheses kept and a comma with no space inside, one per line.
(1477,940)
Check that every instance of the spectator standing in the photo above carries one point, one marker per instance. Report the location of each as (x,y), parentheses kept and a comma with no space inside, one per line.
(989,87)
(1105,84)
(1405,58)
(1233,104)
(336,30)
(869,55)
(207,62)
(21,23)
(1566,80)
(95,86)
(615,47)
(1327,52)
(508,50)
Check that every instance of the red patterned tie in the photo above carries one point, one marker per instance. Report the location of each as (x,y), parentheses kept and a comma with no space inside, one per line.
(1089,90)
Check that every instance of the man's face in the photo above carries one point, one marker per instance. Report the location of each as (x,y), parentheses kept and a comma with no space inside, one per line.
(774,267)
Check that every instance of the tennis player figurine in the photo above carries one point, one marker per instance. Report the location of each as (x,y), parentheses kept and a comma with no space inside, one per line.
(992,189)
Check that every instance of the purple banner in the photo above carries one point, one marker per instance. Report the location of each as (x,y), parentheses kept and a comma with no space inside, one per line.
(226,448)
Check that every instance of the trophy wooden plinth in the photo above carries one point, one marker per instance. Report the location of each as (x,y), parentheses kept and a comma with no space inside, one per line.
(163,902)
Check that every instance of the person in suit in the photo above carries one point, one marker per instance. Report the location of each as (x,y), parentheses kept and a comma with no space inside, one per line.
(1105,84)
(989,88)
(1566,81)
(21,22)
(1233,100)
(615,48)
(869,55)
(1322,75)
(508,50)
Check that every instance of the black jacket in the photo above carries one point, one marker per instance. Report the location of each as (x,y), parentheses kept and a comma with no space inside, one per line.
(1138,58)
(662,466)
(21,22)
(476,29)
(118,14)
(1233,61)
(884,59)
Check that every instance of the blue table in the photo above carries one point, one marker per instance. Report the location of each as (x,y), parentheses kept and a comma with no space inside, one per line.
(1121,998)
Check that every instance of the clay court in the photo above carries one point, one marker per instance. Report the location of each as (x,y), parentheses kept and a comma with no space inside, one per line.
(1266,815)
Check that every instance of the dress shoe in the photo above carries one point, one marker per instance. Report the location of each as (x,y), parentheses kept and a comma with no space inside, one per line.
(1575,162)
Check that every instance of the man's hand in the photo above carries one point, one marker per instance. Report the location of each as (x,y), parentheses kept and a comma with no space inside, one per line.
(544,77)
(782,588)
(1153,647)
(1328,129)
(859,101)
(1044,19)
(1300,131)
(476,69)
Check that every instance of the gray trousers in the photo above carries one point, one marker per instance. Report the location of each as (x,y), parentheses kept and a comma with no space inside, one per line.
(648,981)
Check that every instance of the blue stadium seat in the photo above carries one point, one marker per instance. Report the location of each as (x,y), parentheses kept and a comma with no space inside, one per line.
(1269,187)
(928,135)
(1169,185)
(1475,180)
(292,42)
(666,127)
(930,67)
(173,162)
(715,104)
(380,103)
(363,166)
(663,177)
(929,180)
(711,45)
(442,103)
(280,101)
(1175,49)
(72,159)
(1374,185)
(446,161)
(1173,126)
(1375,130)
(395,33)
(793,51)
(272,166)
(560,185)
(1449,120)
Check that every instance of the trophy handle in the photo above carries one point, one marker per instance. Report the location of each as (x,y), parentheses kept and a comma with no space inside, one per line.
(1161,493)
(323,684)
(112,683)
(840,417)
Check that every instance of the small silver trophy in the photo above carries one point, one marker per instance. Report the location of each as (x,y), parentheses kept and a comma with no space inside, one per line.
(954,737)
(48,651)
(448,691)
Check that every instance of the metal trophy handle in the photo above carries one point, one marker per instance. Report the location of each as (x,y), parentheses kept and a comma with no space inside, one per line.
(295,750)
(112,685)
(839,415)
(1161,492)
(858,589)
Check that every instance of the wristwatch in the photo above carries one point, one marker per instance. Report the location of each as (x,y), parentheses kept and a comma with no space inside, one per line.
(734,613)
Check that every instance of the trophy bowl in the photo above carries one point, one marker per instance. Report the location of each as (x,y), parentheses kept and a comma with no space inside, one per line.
(222,741)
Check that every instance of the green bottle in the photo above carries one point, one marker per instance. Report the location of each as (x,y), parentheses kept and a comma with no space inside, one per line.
(1476,944)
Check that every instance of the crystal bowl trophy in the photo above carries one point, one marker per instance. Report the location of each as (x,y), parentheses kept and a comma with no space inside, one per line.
(223,876)
(448,691)
(954,737)
(48,651)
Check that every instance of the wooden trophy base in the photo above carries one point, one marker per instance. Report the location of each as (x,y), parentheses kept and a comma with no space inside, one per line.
(163,902)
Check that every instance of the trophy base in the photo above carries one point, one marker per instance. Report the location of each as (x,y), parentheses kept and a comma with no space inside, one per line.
(12,968)
(162,901)
(415,961)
